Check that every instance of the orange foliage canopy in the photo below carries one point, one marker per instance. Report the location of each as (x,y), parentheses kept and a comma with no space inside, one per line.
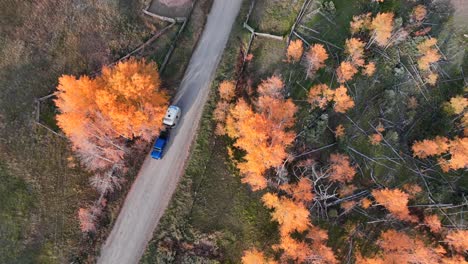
(354,47)
(262,133)
(320,95)
(316,57)
(427,148)
(382,25)
(346,71)
(458,240)
(290,215)
(458,104)
(343,102)
(254,256)
(433,222)
(131,97)
(369,69)
(312,248)
(300,192)
(126,101)
(395,201)
(340,168)
(398,247)
(458,149)
(366,203)
(428,53)
(419,12)
(360,22)
(375,139)
(227,90)
(295,50)
(411,189)
(339,131)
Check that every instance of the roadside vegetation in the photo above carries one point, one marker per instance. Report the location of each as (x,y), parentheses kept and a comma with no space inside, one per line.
(212,215)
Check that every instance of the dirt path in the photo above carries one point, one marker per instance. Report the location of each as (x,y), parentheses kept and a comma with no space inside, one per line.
(157,180)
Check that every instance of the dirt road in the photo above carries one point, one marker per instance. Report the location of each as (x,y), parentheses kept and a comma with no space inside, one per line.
(157,180)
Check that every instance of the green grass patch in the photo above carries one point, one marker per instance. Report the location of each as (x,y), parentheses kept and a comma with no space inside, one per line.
(15,215)
(275,16)
(268,56)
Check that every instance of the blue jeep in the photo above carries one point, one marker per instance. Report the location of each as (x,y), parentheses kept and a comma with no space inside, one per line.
(159,145)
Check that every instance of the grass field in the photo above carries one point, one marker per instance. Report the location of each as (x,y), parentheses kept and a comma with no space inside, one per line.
(42,186)
(275,16)
(16,209)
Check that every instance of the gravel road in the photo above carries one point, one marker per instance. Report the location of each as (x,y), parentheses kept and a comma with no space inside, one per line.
(157,180)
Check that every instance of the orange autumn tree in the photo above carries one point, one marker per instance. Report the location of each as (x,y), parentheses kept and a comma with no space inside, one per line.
(227,90)
(458,240)
(354,47)
(426,148)
(343,102)
(457,148)
(369,69)
(428,53)
(377,137)
(382,26)
(398,247)
(458,104)
(395,201)
(315,57)
(360,22)
(262,131)
(320,95)
(132,98)
(97,115)
(290,215)
(433,222)
(428,56)
(419,13)
(301,191)
(346,71)
(339,131)
(340,169)
(295,50)
(312,248)
(293,216)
